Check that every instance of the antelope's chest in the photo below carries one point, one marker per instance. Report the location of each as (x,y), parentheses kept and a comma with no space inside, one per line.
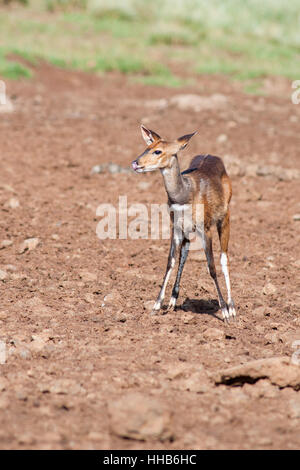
(184,218)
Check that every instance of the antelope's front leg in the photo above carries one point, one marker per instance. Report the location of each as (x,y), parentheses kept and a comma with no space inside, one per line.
(184,250)
(170,266)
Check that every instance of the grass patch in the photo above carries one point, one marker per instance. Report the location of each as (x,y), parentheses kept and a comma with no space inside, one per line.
(254,88)
(172,39)
(158,80)
(243,39)
(11,69)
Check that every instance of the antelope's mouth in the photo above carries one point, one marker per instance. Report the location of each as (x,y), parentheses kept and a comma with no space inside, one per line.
(137,168)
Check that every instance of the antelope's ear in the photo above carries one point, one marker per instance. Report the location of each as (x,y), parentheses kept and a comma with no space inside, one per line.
(184,140)
(149,136)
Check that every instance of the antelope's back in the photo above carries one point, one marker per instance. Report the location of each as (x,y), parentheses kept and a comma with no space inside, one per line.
(214,187)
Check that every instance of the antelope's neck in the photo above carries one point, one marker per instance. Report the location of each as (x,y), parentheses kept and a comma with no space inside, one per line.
(177,187)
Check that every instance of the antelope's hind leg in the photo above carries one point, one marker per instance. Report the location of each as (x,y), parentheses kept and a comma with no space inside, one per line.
(224,231)
(207,245)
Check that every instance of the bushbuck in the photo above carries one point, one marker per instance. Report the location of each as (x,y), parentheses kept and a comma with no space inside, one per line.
(204,183)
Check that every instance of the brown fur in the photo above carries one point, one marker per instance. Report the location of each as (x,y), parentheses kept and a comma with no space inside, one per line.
(212,187)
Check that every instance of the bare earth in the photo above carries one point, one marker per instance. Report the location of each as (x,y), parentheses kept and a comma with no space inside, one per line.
(73,363)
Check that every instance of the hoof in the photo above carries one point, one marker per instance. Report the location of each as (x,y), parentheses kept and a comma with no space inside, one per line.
(172,303)
(156,308)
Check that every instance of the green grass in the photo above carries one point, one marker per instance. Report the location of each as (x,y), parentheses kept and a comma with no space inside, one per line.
(12,69)
(244,39)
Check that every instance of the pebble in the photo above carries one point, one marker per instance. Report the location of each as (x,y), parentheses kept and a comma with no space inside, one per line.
(3,275)
(87,276)
(294,409)
(269,289)
(5,244)
(214,334)
(140,417)
(110,167)
(13,203)
(28,245)
(222,138)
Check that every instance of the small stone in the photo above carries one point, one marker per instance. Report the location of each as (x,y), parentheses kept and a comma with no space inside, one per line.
(290,338)
(148,305)
(269,289)
(37,99)
(10,268)
(222,138)
(261,389)
(120,317)
(95,436)
(198,103)
(294,409)
(87,276)
(89,298)
(6,106)
(197,382)
(187,318)
(109,167)
(26,439)
(36,307)
(3,384)
(112,299)
(161,103)
(65,403)
(278,370)
(176,370)
(28,245)
(65,387)
(213,334)
(13,203)
(272,338)
(259,311)
(24,353)
(37,344)
(140,417)
(5,244)
(3,275)
(21,394)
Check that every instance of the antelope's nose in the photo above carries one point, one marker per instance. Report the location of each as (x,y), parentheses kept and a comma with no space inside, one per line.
(134,165)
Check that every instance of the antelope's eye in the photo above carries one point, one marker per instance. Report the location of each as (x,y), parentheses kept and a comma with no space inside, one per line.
(157,152)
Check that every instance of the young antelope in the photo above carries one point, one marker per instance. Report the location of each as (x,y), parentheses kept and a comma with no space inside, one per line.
(204,183)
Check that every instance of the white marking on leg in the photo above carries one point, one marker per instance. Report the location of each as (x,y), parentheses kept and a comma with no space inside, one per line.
(172,302)
(224,264)
(162,296)
(225,314)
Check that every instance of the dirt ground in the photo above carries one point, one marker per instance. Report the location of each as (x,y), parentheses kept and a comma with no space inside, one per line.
(70,354)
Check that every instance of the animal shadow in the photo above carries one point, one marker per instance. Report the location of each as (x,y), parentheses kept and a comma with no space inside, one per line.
(208,307)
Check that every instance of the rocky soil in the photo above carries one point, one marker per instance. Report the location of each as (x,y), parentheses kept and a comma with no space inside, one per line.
(84,365)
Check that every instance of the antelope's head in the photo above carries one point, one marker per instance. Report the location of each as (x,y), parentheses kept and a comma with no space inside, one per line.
(159,153)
